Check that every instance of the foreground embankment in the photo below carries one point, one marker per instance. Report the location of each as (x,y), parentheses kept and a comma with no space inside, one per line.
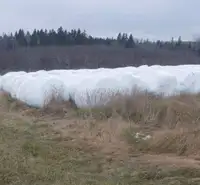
(138,139)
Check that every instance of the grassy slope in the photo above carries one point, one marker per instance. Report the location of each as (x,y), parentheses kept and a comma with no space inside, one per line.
(38,147)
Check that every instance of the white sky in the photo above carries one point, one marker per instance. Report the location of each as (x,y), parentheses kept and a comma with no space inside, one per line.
(155,19)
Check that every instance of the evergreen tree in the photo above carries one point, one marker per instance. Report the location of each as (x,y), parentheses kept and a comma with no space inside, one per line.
(61,37)
(130,42)
(20,37)
(28,38)
(80,37)
(179,42)
(52,37)
(124,38)
(34,38)
(119,39)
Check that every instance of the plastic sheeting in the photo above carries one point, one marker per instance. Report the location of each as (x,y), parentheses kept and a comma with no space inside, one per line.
(87,87)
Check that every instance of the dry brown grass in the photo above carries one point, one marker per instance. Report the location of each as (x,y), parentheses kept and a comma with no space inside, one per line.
(62,144)
(10,104)
(181,141)
(147,109)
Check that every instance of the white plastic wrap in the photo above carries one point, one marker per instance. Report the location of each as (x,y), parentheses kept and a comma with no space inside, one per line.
(87,87)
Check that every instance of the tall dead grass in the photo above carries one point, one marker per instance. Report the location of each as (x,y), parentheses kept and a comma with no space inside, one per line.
(140,108)
(55,103)
(145,108)
(172,122)
(181,141)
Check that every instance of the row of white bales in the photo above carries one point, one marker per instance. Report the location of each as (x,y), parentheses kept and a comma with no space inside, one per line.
(87,87)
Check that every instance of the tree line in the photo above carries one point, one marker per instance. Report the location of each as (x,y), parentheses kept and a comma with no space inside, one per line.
(30,51)
(62,37)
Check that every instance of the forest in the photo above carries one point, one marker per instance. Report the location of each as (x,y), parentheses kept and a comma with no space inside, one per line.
(62,49)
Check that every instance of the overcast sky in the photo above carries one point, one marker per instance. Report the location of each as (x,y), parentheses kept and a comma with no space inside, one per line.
(155,19)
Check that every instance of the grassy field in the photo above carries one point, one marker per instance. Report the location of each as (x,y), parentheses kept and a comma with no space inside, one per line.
(136,140)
